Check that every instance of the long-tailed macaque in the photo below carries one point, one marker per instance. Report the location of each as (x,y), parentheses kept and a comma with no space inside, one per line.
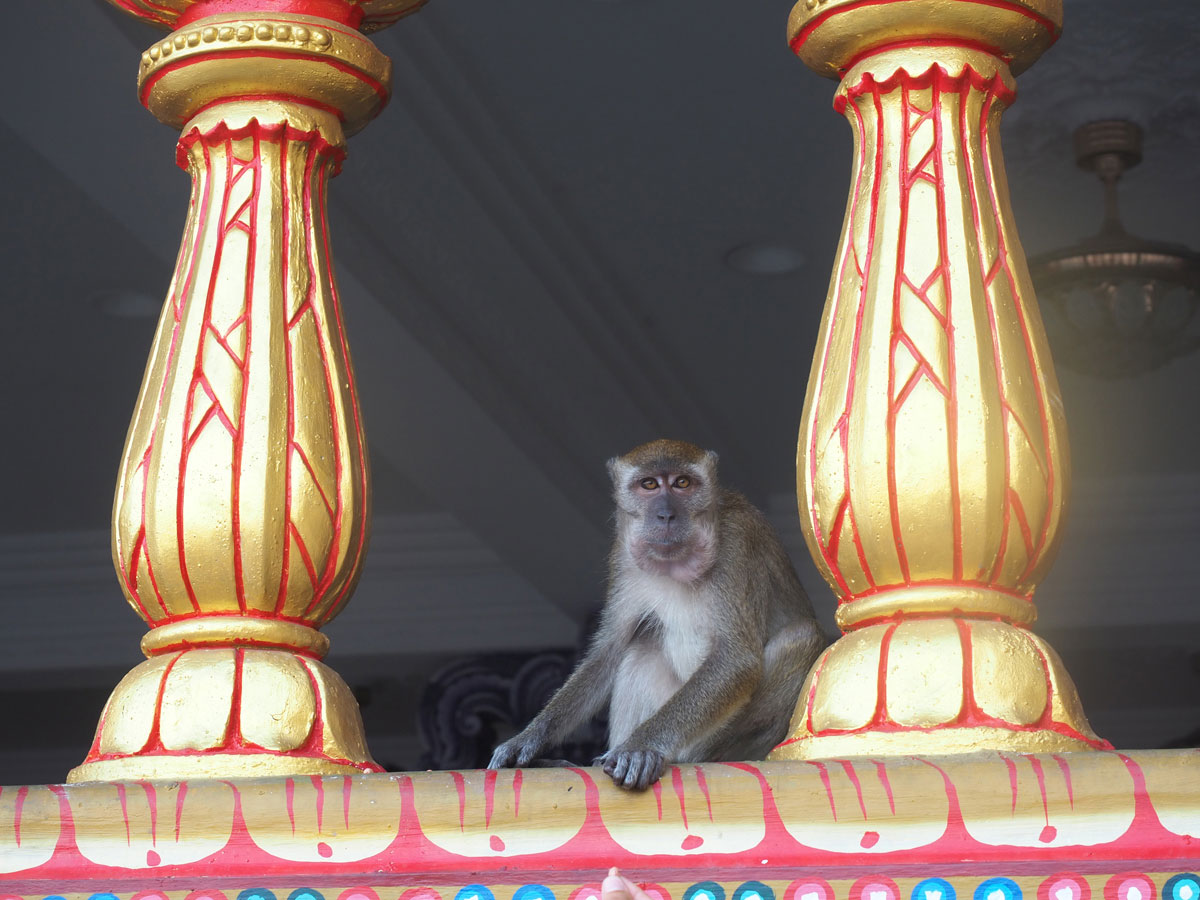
(706,635)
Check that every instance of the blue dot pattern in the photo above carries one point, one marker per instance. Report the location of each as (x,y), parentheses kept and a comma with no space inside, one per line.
(705,890)
(753,890)
(1182,887)
(1185,886)
(937,889)
(1008,888)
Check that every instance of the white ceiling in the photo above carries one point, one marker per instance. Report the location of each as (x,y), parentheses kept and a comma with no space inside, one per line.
(530,242)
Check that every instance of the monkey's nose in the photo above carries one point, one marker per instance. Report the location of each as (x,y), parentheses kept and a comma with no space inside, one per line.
(666,516)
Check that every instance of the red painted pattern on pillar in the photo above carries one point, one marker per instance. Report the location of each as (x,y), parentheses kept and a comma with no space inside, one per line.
(223,350)
(926,359)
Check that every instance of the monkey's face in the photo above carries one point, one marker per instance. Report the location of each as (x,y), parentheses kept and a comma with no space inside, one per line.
(666,496)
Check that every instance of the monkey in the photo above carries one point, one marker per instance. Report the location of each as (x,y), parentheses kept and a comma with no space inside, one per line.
(706,634)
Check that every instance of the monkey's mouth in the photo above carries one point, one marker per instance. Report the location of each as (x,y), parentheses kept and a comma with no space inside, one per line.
(667,547)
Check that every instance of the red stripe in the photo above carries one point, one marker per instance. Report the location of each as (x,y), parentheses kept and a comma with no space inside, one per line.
(881,719)
(315,742)
(810,700)
(341,11)
(893,489)
(254,167)
(955,614)
(941,582)
(248,614)
(240,642)
(284,294)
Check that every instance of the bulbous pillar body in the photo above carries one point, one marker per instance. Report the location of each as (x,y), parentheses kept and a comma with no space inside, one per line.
(932,464)
(242,507)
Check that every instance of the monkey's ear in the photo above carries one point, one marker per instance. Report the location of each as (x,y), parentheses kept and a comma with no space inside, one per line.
(613,466)
(710,460)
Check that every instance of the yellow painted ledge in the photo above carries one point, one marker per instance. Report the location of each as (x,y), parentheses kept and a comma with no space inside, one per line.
(970,817)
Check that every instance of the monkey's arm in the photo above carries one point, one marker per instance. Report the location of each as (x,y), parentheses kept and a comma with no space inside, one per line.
(762,723)
(574,703)
(706,702)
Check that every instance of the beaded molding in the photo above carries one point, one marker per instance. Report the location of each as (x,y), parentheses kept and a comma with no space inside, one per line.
(318,39)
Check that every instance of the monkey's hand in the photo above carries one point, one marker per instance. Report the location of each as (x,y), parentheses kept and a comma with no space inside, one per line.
(520,750)
(632,769)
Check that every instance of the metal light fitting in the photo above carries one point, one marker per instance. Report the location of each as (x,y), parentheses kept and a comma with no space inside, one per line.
(1116,304)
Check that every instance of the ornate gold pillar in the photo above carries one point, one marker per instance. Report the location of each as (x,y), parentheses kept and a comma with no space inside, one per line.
(243,501)
(932,463)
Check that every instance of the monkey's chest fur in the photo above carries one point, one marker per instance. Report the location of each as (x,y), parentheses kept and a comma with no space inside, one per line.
(669,644)
(669,624)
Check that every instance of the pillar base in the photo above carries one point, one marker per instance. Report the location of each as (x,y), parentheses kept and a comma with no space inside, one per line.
(228,712)
(939,684)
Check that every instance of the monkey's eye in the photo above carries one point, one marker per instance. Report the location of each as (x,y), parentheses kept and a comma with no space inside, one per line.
(650,483)
(683,481)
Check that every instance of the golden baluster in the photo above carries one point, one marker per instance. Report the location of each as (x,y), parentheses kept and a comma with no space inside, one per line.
(243,501)
(932,464)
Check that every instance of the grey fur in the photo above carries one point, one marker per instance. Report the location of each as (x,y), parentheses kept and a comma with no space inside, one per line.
(706,636)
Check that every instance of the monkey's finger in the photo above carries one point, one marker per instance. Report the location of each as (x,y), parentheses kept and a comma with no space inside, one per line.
(644,768)
(652,768)
(636,779)
(620,767)
(501,758)
(528,752)
(633,776)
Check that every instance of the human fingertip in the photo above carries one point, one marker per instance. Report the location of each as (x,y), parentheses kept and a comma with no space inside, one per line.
(613,884)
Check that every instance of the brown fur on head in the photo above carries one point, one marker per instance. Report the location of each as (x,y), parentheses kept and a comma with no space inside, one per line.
(666,494)
(660,455)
